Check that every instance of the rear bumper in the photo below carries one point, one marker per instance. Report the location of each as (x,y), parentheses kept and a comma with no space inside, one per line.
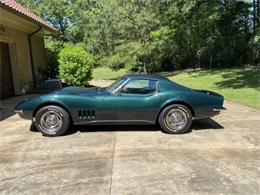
(219,109)
(216,111)
(208,112)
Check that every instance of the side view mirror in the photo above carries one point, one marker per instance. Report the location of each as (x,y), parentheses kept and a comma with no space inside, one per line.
(118,92)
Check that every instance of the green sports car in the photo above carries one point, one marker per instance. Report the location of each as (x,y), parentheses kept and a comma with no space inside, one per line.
(133,99)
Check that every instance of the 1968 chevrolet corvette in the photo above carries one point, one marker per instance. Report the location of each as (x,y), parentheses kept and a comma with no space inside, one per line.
(133,99)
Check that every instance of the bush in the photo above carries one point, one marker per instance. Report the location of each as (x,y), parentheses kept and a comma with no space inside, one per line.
(52,50)
(75,65)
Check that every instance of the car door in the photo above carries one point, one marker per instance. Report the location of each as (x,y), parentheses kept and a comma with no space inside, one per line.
(136,100)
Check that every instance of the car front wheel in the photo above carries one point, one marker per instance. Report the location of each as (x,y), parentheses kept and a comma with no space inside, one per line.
(52,121)
(175,119)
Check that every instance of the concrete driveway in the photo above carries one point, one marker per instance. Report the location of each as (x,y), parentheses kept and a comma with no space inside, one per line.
(219,156)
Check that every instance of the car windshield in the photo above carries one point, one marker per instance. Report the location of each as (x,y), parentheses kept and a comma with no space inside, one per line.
(114,85)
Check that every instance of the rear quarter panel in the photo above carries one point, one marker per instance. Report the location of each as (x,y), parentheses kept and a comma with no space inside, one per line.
(201,103)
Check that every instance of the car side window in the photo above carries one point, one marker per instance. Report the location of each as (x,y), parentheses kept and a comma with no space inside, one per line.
(140,86)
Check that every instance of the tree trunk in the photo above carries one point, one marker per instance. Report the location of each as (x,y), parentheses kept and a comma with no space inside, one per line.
(144,66)
(143,45)
(210,65)
(258,11)
(254,15)
(199,61)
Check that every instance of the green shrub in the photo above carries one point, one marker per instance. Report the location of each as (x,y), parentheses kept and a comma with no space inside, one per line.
(52,50)
(75,65)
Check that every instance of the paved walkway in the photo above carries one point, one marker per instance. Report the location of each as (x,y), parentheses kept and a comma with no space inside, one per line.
(219,156)
(7,105)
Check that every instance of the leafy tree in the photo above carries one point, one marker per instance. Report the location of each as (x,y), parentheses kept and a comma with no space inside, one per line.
(255,44)
(157,34)
(75,65)
(59,13)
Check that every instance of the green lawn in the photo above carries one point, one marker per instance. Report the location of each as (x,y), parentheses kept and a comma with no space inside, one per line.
(239,85)
(104,73)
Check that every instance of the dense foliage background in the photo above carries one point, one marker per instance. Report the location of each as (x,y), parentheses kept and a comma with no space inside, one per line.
(155,35)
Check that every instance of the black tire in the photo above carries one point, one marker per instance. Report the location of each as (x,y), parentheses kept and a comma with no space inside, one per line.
(52,121)
(167,122)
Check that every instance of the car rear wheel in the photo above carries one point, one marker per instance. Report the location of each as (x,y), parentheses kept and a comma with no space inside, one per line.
(175,119)
(52,121)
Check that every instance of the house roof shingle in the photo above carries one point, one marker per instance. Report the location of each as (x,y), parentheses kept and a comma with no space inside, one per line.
(17,8)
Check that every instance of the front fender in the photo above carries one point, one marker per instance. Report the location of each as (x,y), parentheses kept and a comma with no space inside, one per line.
(27,108)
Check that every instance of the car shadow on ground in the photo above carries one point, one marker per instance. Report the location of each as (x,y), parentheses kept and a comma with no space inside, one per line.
(6,113)
(202,124)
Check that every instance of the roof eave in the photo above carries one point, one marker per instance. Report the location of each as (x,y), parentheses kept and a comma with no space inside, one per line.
(52,30)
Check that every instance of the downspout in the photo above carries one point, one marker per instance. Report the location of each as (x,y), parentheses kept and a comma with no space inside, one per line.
(31,54)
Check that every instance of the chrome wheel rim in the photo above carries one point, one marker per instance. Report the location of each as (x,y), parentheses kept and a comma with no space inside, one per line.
(51,122)
(176,120)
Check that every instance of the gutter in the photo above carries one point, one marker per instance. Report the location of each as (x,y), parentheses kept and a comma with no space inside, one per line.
(30,19)
(31,54)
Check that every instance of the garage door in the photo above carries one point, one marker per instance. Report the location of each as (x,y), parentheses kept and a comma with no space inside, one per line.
(7,88)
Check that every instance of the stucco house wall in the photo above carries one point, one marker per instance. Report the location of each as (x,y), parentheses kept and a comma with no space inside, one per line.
(38,48)
(16,24)
(21,44)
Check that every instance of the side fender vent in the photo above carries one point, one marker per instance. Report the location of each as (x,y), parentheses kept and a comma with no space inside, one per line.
(86,114)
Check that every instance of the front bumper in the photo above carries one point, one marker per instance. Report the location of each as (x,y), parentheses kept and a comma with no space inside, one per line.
(24,114)
(18,111)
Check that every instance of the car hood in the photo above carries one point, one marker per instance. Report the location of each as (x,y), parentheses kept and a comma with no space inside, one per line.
(93,91)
